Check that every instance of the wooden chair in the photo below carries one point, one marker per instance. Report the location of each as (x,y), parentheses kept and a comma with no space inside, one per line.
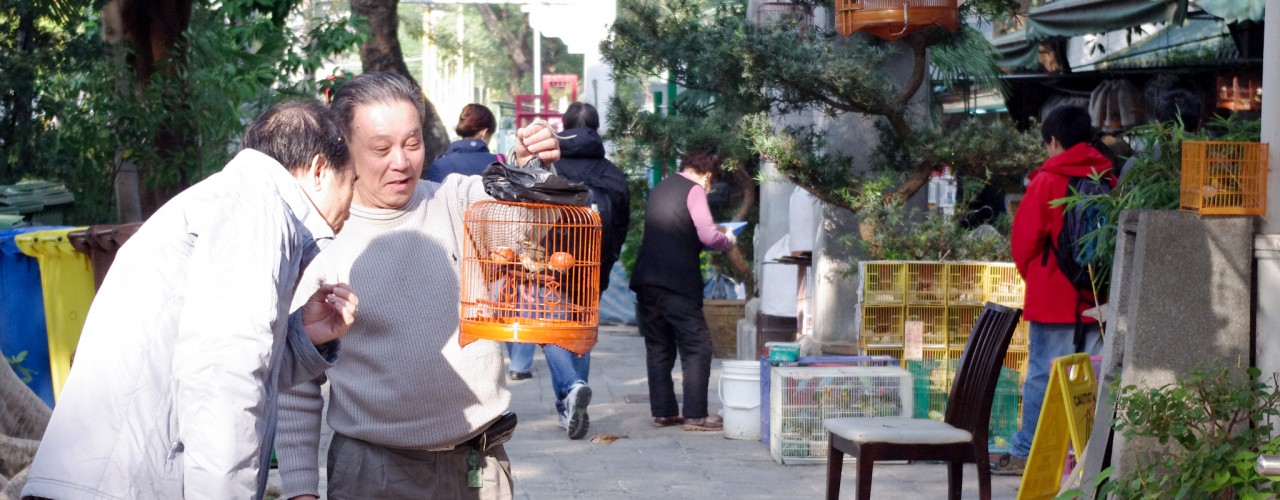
(959,439)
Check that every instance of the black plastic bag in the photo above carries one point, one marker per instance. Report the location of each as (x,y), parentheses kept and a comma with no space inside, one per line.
(533,183)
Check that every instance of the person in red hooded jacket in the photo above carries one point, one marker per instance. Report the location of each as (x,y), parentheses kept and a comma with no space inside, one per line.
(1053,306)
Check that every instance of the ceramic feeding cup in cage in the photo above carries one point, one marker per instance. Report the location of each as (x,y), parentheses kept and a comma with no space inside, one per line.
(531,274)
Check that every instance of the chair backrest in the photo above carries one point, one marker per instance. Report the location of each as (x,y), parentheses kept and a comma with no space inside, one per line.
(969,406)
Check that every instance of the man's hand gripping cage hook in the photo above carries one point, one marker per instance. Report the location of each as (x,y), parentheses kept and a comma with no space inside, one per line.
(543,123)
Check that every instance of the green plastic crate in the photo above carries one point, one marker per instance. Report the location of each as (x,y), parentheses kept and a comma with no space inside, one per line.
(932,380)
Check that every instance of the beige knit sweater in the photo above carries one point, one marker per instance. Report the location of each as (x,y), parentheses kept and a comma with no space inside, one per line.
(401,380)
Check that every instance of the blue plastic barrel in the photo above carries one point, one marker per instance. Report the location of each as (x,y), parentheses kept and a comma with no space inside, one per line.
(22,323)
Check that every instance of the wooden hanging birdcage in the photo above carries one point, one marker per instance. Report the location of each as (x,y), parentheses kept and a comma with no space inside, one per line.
(531,274)
(894,19)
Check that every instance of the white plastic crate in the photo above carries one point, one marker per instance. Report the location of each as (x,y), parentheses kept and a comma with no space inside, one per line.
(800,398)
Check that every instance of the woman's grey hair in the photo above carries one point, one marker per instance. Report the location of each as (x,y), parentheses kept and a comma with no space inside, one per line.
(376,87)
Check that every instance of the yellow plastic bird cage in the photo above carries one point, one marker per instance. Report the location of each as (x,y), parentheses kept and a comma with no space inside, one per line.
(1224,178)
(531,274)
(894,19)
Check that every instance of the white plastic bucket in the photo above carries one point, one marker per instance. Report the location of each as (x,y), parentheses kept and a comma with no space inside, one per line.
(740,395)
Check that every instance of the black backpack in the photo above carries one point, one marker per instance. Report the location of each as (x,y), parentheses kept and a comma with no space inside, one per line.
(1074,254)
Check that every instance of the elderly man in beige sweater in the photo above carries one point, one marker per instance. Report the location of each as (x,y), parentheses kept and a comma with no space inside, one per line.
(407,400)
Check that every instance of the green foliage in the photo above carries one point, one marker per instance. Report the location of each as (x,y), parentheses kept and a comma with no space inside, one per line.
(1151,182)
(1100,484)
(1219,422)
(982,149)
(236,58)
(751,69)
(35,37)
(479,45)
(994,151)
(24,373)
(954,61)
(697,125)
(895,231)
(748,74)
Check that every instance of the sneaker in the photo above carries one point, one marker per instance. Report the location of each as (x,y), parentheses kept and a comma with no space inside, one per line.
(514,375)
(667,421)
(575,407)
(702,424)
(1009,465)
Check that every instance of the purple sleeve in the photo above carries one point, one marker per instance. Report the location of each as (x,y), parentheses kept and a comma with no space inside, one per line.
(701,214)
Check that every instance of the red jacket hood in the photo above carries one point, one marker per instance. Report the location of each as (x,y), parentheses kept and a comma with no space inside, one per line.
(1081,160)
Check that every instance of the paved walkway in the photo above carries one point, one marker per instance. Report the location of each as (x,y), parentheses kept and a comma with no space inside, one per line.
(659,463)
(647,462)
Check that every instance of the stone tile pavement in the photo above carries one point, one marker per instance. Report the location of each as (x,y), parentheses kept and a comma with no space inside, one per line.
(653,463)
(647,462)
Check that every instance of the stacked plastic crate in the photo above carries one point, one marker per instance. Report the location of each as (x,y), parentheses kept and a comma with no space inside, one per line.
(946,298)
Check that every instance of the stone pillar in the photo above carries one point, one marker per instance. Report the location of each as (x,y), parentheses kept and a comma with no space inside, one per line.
(1188,306)
(1267,245)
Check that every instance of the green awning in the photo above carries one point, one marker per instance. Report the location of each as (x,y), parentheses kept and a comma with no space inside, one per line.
(1205,41)
(1013,50)
(1068,18)
(1233,10)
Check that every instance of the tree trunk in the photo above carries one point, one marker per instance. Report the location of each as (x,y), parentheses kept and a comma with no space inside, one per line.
(23,419)
(17,101)
(152,29)
(381,52)
(737,259)
(517,45)
(13,487)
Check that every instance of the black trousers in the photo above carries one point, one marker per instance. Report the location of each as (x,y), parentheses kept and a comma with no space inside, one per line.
(673,324)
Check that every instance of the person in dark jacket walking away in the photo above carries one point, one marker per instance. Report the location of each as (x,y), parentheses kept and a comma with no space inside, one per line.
(668,283)
(582,160)
(468,155)
(1052,304)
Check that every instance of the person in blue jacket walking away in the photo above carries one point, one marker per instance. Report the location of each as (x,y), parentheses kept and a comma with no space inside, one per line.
(468,155)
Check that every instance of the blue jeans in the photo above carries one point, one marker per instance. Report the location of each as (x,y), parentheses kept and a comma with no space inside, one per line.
(566,367)
(1049,341)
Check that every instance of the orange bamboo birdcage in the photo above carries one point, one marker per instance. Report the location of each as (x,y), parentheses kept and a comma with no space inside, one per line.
(531,274)
(894,19)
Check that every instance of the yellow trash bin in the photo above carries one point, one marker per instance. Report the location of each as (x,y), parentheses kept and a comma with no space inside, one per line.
(66,279)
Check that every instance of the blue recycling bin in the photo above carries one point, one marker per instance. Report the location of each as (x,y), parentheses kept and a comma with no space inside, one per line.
(22,323)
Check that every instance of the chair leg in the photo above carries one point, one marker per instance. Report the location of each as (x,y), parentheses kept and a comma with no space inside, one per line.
(865,460)
(984,476)
(955,479)
(835,467)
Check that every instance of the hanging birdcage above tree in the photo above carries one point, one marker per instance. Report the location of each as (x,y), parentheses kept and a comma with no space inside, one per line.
(781,14)
(894,19)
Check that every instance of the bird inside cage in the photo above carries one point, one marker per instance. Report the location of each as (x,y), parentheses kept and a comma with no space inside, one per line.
(531,274)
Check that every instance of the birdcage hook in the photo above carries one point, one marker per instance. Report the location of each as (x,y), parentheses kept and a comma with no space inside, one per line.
(906,19)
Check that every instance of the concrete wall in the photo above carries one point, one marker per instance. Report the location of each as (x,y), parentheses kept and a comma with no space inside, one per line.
(1188,305)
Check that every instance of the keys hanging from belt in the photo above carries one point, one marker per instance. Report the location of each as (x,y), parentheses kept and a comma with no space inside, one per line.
(474,479)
